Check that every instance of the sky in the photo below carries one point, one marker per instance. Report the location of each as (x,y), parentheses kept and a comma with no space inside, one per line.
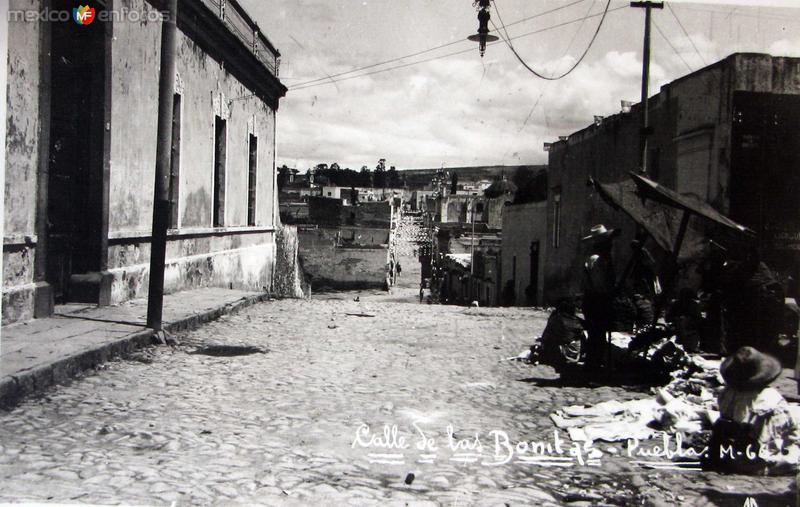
(461,109)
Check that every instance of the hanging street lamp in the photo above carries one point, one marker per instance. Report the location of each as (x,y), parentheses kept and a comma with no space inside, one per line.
(483,36)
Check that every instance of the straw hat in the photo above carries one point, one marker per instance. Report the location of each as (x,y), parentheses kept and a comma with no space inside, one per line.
(750,369)
(600,232)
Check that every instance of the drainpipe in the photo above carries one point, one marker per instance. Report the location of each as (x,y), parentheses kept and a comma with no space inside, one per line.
(161,203)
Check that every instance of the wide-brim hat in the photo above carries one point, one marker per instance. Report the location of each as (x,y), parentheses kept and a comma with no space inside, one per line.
(750,369)
(600,231)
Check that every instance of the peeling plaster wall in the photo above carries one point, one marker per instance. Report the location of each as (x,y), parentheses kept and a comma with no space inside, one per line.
(22,148)
(207,89)
(246,267)
(136,53)
(240,261)
(197,254)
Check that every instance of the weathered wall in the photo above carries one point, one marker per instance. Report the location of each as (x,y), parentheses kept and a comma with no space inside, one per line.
(135,57)
(207,89)
(523,224)
(494,209)
(235,255)
(290,279)
(22,149)
(331,262)
(197,254)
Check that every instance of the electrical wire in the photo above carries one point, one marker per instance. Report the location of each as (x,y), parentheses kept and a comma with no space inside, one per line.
(658,28)
(410,64)
(418,53)
(739,13)
(674,15)
(568,72)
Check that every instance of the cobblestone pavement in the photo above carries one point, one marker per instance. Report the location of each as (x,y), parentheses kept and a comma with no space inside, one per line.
(170,425)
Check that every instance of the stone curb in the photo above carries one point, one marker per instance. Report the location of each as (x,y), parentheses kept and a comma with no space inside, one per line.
(15,388)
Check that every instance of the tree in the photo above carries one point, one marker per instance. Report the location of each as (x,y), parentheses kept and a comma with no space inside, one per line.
(365,177)
(334,166)
(392,178)
(531,185)
(380,174)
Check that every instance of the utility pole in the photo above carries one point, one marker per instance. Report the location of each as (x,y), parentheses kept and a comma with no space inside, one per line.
(3,86)
(161,203)
(645,128)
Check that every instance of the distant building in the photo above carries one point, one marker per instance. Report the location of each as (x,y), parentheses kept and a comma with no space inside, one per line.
(523,253)
(81,147)
(727,133)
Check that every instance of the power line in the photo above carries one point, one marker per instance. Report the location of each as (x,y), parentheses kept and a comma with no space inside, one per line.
(672,11)
(658,28)
(736,11)
(527,34)
(555,78)
(366,67)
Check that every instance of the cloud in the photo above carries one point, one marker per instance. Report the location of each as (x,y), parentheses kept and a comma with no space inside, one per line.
(785,47)
(454,111)
(462,109)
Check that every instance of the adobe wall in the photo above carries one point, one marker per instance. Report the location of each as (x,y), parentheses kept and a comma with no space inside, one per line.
(344,258)
(23,128)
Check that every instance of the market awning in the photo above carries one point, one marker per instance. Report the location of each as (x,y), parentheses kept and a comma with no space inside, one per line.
(661,222)
(649,189)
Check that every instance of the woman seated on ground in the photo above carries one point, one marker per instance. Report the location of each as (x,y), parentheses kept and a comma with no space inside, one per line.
(756,432)
(562,338)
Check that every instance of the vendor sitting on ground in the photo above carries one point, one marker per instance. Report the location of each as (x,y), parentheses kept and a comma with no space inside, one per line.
(756,432)
(562,339)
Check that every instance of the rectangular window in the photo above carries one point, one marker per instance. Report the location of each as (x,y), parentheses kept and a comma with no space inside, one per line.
(175,162)
(252,170)
(556,220)
(220,135)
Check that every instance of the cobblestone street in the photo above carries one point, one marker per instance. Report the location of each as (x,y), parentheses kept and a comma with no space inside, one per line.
(169,425)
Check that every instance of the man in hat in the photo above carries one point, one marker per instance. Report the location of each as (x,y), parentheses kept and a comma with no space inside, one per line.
(756,432)
(598,294)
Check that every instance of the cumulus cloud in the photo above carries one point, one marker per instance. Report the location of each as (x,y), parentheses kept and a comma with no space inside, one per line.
(461,109)
(785,47)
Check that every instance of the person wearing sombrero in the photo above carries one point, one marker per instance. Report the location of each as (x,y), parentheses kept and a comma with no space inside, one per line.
(756,432)
(598,291)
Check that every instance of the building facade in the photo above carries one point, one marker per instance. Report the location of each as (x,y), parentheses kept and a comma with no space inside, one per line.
(523,253)
(727,133)
(82,116)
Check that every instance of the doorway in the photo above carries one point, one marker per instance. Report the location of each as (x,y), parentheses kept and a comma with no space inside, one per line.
(532,291)
(75,196)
